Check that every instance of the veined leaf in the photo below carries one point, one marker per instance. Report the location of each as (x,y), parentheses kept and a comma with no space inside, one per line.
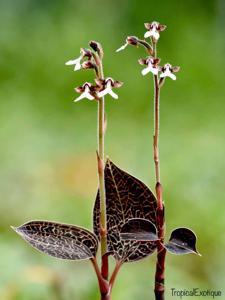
(59,240)
(126,198)
(139,230)
(182,241)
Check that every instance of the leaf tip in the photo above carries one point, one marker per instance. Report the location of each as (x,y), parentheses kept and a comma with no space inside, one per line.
(16,229)
(13,228)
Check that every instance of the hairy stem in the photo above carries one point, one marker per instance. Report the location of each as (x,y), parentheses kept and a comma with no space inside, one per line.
(161,252)
(101,177)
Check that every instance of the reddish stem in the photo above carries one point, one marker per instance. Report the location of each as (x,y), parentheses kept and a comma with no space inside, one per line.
(103,284)
(105,266)
(114,274)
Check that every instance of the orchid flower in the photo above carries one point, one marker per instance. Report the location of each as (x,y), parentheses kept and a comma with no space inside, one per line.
(152,65)
(130,40)
(150,68)
(85,91)
(108,84)
(153,30)
(77,61)
(168,71)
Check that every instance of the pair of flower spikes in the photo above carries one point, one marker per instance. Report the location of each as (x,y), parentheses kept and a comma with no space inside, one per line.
(105,86)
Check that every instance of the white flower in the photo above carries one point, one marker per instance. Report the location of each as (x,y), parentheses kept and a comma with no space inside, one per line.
(153,68)
(167,71)
(109,83)
(122,47)
(85,89)
(76,62)
(154,28)
(153,31)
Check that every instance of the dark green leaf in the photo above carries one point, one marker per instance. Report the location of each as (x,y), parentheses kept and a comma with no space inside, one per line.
(139,230)
(126,198)
(59,240)
(182,241)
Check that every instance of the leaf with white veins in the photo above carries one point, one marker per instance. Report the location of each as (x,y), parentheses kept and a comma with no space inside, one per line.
(59,240)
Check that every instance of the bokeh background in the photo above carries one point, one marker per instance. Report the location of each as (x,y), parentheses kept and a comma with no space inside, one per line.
(48,143)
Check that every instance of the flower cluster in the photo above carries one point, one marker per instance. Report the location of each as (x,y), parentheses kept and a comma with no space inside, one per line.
(151,62)
(152,67)
(102,88)
(92,60)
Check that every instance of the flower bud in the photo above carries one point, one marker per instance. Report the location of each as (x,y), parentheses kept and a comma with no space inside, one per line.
(132,40)
(97,47)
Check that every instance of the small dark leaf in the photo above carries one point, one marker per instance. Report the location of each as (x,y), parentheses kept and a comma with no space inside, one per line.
(139,230)
(182,241)
(59,240)
(126,198)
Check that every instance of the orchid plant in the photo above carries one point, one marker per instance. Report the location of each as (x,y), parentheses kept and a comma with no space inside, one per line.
(128,219)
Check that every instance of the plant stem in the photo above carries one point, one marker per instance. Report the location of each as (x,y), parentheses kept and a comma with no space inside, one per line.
(114,274)
(161,252)
(103,284)
(101,176)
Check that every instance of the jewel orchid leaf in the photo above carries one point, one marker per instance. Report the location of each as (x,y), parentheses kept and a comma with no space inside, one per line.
(139,230)
(59,240)
(126,198)
(182,241)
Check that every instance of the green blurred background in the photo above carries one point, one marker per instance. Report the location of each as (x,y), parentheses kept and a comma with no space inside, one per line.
(48,143)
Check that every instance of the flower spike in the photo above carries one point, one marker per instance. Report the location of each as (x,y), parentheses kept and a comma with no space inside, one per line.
(85,91)
(168,71)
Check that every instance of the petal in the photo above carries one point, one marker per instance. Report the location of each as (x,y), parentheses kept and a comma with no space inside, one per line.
(155,34)
(77,66)
(71,62)
(84,95)
(145,71)
(166,73)
(147,34)
(153,70)
(114,95)
(172,76)
(103,93)
(122,47)
(162,75)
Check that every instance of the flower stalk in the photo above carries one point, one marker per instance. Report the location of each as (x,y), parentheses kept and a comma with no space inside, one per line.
(161,251)
(101,178)
(100,160)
